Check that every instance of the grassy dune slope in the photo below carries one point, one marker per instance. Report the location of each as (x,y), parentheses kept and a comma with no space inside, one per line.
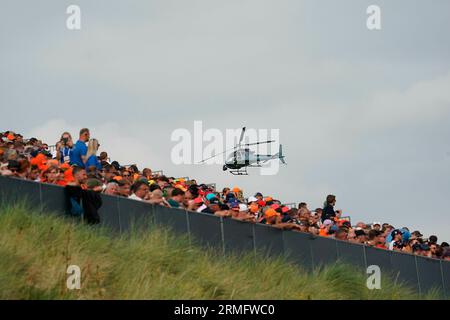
(35,250)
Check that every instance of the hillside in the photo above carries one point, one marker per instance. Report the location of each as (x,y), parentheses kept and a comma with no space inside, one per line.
(36,249)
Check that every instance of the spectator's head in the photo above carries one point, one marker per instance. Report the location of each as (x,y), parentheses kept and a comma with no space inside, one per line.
(214,204)
(259,196)
(177,195)
(302,205)
(140,189)
(66,139)
(162,181)
(157,194)
(109,172)
(446,254)
(147,172)
(331,200)
(432,239)
(380,240)
(124,188)
(85,135)
(225,192)
(51,175)
(341,234)
(376,226)
(33,174)
(416,235)
(79,175)
(372,234)
(191,192)
(14,167)
(397,235)
(112,189)
(271,216)
(360,235)
(94,184)
(126,174)
(93,146)
(103,156)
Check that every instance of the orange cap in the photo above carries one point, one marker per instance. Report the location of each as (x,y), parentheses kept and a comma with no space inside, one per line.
(254,208)
(270,213)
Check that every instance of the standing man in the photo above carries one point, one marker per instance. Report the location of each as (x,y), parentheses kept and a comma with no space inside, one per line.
(328,209)
(78,155)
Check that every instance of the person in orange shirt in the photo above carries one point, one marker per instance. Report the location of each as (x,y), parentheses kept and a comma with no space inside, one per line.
(325,228)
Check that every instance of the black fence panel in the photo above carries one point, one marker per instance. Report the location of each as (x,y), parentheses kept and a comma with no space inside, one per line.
(324,251)
(297,248)
(430,276)
(351,253)
(53,199)
(134,214)
(206,229)
(404,269)
(238,235)
(175,219)
(13,190)
(269,240)
(446,276)
(379,257)
(109,212)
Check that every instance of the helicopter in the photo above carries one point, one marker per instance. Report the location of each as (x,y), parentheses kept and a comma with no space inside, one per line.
(242,157)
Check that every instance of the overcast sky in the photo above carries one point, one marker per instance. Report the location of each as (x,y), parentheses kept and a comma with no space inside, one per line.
(362,114)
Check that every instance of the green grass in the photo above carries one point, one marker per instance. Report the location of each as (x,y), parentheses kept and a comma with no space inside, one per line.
(35,250)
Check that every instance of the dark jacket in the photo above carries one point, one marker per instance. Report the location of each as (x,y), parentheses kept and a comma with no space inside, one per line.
(328,213)
(89,200)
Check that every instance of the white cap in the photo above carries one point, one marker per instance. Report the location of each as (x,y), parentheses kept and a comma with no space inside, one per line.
(252,199)
(374,223)
(243,207)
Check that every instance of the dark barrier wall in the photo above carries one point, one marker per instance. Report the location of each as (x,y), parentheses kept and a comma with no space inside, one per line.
(306,250)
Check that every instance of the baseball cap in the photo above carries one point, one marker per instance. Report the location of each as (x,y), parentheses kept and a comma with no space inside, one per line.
(275,206)
(210,196)
(270,213)
(214,201)
(243,207)
(417,234)
(198,200)
(252,199)
(395,232)
(327,222)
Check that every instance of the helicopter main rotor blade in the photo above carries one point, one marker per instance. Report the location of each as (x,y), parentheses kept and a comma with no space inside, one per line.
(234,148)
(242,136)
(261,142)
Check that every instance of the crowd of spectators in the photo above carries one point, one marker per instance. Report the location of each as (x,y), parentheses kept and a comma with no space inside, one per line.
(79,165)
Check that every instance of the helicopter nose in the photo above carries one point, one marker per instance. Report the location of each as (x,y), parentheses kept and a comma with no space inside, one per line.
(225,168)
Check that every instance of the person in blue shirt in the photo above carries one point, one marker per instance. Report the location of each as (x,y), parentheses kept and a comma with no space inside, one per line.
(78,154)
(91,155)
(64,148)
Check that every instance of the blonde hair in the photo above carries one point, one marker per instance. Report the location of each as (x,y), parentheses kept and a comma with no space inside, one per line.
(92,148)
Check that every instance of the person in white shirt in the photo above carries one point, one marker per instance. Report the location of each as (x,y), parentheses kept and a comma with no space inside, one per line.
(140,191)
